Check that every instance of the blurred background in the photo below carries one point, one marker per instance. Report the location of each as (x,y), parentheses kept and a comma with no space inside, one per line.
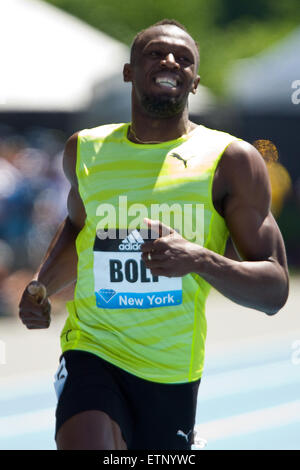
(61,71)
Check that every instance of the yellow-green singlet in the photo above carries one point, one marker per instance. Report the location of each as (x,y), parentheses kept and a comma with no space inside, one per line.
(153,327)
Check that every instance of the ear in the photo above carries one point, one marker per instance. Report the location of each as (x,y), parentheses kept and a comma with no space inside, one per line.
(195,85)
(127,73)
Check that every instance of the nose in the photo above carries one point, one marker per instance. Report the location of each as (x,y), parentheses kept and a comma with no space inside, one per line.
(170,62)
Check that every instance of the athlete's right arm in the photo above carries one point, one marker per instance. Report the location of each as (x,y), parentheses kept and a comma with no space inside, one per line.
(59,266)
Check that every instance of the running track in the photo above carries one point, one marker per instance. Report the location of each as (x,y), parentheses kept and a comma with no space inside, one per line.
(248,400)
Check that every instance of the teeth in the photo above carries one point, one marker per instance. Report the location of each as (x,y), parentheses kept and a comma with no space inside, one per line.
(166,81)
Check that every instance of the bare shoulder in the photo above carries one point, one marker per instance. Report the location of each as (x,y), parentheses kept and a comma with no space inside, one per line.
(76,209)
(242,177)
(241,160)
(70,157)
(244,172)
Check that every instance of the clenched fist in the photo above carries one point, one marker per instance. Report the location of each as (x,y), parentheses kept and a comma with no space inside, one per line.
(35,307)
(170,255)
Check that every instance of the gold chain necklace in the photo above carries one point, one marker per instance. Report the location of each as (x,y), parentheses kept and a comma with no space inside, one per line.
(131,131)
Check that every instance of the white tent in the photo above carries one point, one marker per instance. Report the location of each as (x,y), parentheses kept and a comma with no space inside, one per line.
(268,82)
(50,60)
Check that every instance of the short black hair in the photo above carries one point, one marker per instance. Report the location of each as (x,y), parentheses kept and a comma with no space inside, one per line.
(158,23)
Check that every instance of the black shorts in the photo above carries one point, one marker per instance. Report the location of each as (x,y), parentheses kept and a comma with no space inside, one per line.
(151,415)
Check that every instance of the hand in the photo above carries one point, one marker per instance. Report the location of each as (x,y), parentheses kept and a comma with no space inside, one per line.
(170,255)
(35,307)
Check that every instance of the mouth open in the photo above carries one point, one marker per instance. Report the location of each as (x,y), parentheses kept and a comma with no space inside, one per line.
(166,81)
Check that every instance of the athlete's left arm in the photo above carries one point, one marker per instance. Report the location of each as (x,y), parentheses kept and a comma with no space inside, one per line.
(260,279)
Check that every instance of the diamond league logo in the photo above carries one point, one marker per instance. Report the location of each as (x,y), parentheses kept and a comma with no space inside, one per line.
(107,294)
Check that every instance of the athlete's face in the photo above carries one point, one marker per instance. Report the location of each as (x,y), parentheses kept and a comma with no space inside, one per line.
(163,70)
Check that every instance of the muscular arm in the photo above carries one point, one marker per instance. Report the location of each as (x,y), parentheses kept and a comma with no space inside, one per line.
(59,267)
(259,279)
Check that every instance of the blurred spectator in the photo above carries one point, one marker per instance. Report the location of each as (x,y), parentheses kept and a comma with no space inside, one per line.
(281,183)
(6,264)
(33,193)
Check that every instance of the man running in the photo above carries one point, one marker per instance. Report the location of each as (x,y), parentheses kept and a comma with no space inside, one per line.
(133,342)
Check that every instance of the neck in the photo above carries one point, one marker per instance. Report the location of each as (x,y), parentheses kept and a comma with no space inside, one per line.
(147,129)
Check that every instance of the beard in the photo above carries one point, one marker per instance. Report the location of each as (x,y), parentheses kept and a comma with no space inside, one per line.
(163,106)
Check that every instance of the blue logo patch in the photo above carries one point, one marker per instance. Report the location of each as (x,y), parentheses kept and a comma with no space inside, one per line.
(108,298)
(106,294)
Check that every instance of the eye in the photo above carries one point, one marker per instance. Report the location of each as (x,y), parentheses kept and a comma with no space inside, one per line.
(154,53)
(184,59)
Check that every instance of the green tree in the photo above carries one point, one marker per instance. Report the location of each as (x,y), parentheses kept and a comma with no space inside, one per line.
(226,30)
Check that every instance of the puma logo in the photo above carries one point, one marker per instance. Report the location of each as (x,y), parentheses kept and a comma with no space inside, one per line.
(175,155)
(186,436)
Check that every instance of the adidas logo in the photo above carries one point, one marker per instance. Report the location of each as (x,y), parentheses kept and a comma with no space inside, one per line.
(132,242)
